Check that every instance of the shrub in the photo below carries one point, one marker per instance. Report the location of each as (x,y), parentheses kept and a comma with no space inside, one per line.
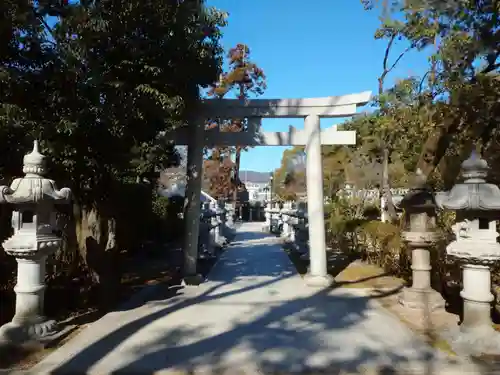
(168,215)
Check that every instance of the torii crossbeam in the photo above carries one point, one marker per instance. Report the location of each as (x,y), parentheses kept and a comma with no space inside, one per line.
(312,137)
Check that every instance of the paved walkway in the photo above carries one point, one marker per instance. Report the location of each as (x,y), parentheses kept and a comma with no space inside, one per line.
(254,315)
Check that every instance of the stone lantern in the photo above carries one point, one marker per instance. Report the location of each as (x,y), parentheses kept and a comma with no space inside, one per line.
(420,235)
(34,223)
(477,206)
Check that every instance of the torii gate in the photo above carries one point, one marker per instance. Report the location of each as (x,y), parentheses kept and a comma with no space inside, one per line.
(312,137)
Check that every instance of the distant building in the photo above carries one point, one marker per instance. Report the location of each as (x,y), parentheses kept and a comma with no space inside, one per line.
(257,192)
(257,185)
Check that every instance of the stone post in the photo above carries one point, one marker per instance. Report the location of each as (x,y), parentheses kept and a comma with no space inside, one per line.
(317,275)
(383,209)
(221,218)
(274,218)
(229,215)
(420,235)
(280,221)
(284,218)
(215,227)
(267,215)
(477,206)
(33,221)
(206,239)
(288,226)
(302,235)
(293,222)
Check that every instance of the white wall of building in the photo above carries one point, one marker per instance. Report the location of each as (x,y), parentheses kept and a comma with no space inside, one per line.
(257,191)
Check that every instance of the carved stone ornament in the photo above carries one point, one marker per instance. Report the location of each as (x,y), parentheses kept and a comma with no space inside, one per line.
(33,197)
(477,205)
(34,222)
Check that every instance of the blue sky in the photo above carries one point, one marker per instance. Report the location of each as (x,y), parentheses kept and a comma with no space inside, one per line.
(310,49)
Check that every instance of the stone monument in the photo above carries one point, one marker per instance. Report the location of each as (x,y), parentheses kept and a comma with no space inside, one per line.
(34,239)
(420,235)
(477,206)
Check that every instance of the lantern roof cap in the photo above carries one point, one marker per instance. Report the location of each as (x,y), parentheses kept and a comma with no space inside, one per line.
(33,187)
(474,193)
(34,162)
(420,197)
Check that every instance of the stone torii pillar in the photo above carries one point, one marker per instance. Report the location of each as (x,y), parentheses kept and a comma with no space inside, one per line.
(312,137)
(192,203)
(317,275)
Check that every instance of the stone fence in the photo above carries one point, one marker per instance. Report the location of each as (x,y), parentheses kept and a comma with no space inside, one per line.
(216,226)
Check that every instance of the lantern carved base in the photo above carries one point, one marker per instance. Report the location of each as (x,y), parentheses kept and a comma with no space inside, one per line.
(421,299)
(476,335)
(20,333)
(475,342)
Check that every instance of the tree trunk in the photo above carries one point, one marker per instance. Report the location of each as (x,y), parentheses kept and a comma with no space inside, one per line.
(237,159)
(96,238)
(386,188)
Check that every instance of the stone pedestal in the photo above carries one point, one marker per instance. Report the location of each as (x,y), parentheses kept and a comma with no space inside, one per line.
(28,322)
(476,335)
(422,299)
(421,295)
(477,297)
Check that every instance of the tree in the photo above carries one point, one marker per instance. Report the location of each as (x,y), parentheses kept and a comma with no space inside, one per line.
(25,54)
(417,36)
(97,89)
(289,179)
(460,89)
(244,79)
(218,177)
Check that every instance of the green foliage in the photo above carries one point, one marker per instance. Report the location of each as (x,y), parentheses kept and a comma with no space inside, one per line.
(100,85)
(243,79)
(457,98)
(289,180)
(168,222)
(161,206)
(97,88)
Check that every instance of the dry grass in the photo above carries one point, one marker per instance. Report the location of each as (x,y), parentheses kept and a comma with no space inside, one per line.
(361,275)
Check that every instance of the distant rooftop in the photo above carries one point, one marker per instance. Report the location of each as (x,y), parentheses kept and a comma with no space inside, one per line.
(254,177)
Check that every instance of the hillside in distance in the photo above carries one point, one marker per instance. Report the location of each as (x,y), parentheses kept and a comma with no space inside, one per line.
(255,177)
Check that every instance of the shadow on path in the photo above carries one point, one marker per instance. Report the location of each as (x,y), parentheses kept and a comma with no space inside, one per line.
(253,315)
